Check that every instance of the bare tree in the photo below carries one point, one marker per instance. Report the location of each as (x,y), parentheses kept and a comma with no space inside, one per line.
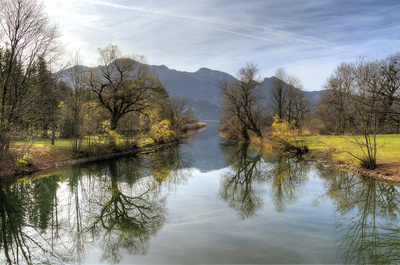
(366,103)
(334,105)
(355,101)
(241,108)
(123,85)
(389,92)
(279,93)
(377,78)
(287,99)
(73,114)
(180,113)
(26,35)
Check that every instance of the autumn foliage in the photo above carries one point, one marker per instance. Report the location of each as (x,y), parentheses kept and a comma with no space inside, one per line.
(286,136)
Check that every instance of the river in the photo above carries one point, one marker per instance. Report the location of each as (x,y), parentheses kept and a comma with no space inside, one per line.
(207,201)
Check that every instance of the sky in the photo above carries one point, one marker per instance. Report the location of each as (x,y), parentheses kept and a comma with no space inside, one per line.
(309,38)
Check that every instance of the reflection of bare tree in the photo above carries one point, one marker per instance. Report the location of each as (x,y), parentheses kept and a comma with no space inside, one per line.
(128,217)
(366,217)
(21,240)
(288,174)
(237,188)
(81,188)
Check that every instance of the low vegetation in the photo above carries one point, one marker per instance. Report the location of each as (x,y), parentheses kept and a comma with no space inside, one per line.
(285,137)
(41,153)
(343,148)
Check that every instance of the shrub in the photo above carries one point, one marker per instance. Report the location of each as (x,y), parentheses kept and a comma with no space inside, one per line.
(284,134)
(26,160)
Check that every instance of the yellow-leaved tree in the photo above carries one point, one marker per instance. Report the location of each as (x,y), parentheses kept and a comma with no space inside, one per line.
(282,128)
(159,128)
(161,132)
(285,135)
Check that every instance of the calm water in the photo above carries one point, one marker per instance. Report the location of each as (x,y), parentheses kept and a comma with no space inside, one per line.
(208,202)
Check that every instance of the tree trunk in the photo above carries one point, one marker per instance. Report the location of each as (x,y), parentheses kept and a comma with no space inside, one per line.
(245,134)
(114,123)
(53,133)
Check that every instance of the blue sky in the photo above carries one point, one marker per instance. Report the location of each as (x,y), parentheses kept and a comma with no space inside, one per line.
(307,38)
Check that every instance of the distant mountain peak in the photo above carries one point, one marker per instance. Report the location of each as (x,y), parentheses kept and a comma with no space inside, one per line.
(209,72)
(203,70)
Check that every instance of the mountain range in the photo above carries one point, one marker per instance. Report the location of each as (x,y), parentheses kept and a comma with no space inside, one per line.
(201,88)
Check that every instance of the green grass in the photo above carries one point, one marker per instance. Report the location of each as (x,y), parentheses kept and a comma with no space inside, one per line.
(45,142)
(68,143)
(388,147)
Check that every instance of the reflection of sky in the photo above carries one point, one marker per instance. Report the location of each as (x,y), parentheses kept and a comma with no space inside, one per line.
(308,38)
(204,152)
(203,229)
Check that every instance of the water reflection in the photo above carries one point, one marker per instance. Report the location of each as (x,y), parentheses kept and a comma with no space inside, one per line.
(288,175)
(366,216)
(170,168)
(117,203)
(127,215)
(25,214)
(239,189)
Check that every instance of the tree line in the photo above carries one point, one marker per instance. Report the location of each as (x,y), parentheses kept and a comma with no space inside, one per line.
(120,98)
(360,98)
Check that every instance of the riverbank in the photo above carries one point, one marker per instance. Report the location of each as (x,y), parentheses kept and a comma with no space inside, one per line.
(339,151)
(323,154)
(47,157)
(330,152)
(387,172)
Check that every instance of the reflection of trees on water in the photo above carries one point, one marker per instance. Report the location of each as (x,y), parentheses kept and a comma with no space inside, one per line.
(366,218)
(237,188)
(117,203)
(288,175)
(170,168)
(127,215)
(24,215)
(241,189)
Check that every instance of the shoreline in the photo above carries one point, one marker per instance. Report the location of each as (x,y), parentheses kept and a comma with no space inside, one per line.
(389,173)
(322,159)
(12,174)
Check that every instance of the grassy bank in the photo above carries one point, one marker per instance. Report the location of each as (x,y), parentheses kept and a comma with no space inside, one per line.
(388,148)
(335,151)
(38,154)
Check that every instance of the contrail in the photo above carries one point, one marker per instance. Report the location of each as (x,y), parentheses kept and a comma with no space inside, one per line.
(243,34)
(203,21)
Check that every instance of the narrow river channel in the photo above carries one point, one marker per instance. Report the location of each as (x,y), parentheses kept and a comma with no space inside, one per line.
(207,201)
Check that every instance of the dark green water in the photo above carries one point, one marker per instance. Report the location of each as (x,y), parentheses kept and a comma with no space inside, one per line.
(205,202)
